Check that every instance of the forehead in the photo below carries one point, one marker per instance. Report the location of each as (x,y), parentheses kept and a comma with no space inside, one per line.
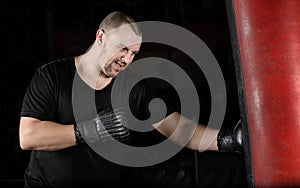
(124,35)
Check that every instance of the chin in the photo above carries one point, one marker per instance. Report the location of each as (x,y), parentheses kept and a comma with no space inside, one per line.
(111,73)
(115,74)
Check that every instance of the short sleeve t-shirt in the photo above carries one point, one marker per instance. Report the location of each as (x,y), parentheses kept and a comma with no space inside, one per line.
(56,93)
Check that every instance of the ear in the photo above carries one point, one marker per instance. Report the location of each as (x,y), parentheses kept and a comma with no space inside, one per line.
(99,34)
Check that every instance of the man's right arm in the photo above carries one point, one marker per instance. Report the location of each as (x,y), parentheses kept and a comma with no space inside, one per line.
(45,135)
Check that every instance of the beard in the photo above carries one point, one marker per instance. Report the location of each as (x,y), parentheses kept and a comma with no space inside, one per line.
(109,71)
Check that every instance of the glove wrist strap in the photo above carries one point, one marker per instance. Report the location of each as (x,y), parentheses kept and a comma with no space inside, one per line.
(78,136)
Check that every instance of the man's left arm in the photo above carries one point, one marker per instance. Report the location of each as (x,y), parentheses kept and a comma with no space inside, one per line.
(201,137)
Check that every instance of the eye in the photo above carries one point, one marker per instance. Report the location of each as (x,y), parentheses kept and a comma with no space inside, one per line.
(125,49)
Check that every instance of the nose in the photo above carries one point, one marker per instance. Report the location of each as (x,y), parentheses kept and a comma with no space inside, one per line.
(126,57)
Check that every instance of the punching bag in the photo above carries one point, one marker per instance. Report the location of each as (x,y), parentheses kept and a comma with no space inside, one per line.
(265,39)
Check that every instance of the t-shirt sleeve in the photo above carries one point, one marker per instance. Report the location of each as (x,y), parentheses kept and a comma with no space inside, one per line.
(39,99)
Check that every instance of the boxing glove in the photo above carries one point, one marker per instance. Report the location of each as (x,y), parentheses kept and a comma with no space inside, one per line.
(107,125)
(231,140)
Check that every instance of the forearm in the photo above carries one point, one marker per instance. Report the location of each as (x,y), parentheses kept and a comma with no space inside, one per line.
(45,135)
(201,137)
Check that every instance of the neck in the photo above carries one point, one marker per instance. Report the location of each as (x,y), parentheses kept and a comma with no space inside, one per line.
(90,73)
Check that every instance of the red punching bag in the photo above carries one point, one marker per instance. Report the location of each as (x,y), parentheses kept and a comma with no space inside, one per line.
(265,38)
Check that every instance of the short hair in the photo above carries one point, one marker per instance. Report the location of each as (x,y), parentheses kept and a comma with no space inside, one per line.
(116,19)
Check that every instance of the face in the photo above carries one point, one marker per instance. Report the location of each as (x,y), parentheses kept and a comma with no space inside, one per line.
(119,48)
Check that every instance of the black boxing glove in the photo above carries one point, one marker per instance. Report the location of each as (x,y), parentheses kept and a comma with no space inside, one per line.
(105,126)
(231,140)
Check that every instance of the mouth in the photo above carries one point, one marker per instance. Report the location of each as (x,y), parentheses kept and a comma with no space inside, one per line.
(119,65)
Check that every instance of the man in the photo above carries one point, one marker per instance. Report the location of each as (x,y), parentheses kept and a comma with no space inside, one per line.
(57,134)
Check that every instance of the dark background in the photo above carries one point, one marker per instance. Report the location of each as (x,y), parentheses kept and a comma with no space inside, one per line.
(34,32)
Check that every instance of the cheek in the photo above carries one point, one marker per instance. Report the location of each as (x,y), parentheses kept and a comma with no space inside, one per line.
(113,51)
(131,58)
(116,56)
(112,57)
(110,52)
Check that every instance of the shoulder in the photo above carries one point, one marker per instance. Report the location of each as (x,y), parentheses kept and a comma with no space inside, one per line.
(57,64)
(57,67)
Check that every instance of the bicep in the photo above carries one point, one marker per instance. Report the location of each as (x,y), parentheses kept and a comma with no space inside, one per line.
(168,125)
(39,98)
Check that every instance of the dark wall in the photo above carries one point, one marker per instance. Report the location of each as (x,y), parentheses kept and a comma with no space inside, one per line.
(34,32)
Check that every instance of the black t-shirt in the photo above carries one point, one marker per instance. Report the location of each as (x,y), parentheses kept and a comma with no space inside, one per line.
(51,96)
